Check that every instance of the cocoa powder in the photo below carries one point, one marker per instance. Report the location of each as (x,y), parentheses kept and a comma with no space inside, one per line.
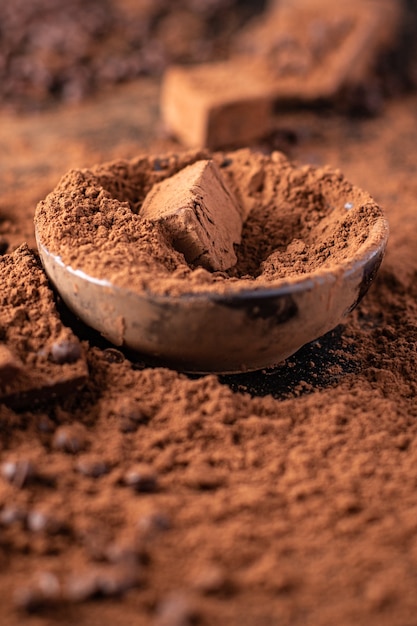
(285,496)
(299,220)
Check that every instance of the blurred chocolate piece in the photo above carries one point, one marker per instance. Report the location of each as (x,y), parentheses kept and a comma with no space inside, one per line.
(299,52)
(39,357)
(217,104)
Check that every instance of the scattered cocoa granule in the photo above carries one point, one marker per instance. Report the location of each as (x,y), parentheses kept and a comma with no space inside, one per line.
(70,438)
(52,51)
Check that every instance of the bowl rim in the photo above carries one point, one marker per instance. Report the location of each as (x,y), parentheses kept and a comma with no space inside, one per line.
(372,247)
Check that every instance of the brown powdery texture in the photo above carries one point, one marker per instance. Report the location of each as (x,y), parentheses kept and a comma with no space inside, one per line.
(53,51)
(299,221)
(282,497)
(38,354)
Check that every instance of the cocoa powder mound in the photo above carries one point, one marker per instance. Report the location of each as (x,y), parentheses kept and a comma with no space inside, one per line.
(39,356)
(299,220)
(286,496)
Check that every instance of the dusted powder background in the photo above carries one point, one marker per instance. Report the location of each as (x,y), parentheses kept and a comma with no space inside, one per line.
(63,52)
(286,496)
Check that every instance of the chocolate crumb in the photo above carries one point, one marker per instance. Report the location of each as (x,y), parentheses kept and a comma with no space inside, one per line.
(18,473)
(211,580)
(11,514)
(142,478)
(154,523)
(111,355)
(66,351)
(71,438)
(92,466)
(176,609)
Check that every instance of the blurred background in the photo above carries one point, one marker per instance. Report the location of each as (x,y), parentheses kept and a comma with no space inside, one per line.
(53,51)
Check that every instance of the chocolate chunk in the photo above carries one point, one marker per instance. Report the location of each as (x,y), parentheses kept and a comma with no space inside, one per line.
(217,104)
(200,214)
(31,323)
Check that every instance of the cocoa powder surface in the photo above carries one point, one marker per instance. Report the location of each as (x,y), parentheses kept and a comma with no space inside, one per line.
(300,220)
(286,496)
(40,351)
